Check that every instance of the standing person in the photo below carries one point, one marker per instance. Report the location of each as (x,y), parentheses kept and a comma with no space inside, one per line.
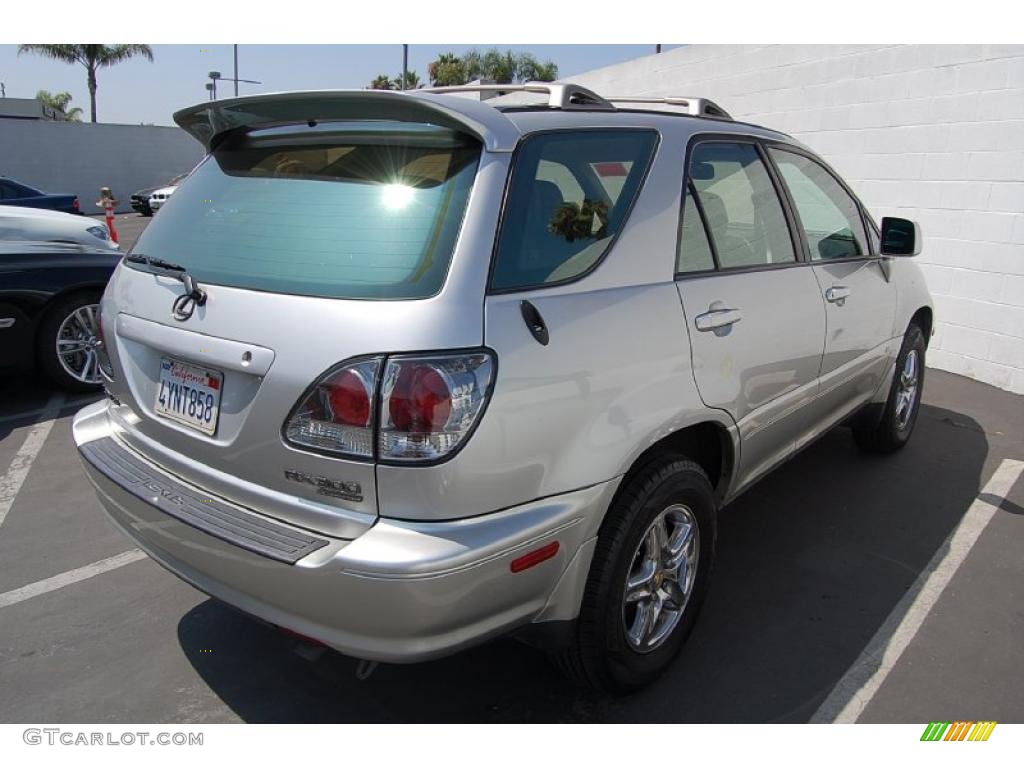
(108,204)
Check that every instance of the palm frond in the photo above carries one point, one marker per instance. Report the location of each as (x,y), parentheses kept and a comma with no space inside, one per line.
(109,55)
(67,53)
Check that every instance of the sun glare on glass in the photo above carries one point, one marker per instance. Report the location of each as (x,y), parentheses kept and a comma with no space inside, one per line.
(395,197)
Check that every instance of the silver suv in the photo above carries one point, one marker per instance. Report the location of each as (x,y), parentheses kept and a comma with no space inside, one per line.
(403,372)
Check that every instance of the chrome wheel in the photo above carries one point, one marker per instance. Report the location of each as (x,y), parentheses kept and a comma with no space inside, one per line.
(906,393)
(660,579)
(77,340)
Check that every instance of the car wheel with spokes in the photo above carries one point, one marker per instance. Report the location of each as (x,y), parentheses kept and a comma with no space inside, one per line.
(66,346)
(890,429)
(661,578)
(647,578)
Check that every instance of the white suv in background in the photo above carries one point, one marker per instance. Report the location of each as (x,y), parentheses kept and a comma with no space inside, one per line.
(160,196)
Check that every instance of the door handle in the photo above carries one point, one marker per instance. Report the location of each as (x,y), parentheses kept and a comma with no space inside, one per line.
(837,294)
(717,316)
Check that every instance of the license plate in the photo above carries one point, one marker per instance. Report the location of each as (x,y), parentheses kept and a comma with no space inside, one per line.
(189,394)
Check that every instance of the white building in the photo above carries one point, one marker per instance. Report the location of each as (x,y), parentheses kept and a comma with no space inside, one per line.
(929,132)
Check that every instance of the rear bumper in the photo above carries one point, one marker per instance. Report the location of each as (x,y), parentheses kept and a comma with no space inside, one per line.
(400,592)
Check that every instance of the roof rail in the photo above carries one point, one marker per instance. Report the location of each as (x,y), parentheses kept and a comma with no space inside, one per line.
(692,105)
(560,95)
(572,96)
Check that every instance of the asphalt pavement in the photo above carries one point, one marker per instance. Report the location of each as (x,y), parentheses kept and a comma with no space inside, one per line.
(819,566)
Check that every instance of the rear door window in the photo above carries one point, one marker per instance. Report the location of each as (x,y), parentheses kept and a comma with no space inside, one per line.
(740,204)
(569,196)
(361,211)
(694,253)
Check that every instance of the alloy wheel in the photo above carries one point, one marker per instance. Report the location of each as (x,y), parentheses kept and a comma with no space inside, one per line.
(906,393)
(77,340)
(660,579)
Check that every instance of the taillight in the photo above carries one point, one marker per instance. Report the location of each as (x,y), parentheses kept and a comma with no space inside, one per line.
(75,205)
(420,410)
(336,416)
(429,404)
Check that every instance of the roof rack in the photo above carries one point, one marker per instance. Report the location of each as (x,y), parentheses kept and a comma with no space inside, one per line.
(691,105)
(560,95)
(572,96)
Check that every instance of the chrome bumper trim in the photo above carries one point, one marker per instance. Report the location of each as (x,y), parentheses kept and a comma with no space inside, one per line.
(217,518)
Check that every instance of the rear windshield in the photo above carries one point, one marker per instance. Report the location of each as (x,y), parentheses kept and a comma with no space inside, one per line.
(360,211)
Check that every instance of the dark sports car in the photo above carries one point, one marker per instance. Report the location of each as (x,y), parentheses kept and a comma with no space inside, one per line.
(49,301)
(140,199)
(15,193)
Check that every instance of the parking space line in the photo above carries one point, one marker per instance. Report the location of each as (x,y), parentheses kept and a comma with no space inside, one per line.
(21,594)
(858,686)
(11,482)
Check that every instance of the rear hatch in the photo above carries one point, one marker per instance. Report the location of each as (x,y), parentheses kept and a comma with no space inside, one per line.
(309,245)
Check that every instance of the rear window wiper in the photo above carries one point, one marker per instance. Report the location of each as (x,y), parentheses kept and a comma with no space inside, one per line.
(193,297)
(153,261)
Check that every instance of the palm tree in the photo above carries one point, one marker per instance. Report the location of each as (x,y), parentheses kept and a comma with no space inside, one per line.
(412,81)
(61,101)
(501,67)
(531,69)
(448,69)
(381,83)
(473,65)
(90,56)
(506,67)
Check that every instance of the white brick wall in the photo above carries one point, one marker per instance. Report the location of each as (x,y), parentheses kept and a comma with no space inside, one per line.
(929,132)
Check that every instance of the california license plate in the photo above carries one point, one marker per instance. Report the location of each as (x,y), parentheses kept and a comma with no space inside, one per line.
(189,394)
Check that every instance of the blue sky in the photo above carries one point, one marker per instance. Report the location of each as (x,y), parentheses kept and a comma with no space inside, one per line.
(140,92)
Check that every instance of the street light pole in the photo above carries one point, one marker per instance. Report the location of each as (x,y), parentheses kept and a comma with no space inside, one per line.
(215,76)
(405,64)
(236,70)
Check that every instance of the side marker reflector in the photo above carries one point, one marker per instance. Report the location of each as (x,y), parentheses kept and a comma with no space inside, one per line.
(536,557)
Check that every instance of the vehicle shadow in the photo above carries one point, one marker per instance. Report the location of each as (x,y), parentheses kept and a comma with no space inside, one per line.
(24,398)
(810,563)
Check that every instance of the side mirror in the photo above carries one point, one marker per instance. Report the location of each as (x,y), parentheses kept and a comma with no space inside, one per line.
(900,237)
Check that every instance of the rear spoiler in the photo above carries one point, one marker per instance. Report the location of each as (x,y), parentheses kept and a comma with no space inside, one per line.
(209,121)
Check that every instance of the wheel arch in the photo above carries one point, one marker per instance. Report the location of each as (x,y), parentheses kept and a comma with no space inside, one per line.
(62,295)
(39,317)
(709,442)
(923,318)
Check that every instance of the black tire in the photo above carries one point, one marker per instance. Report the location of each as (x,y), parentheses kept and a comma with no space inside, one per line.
(887,429)
(46,342)
(600,655)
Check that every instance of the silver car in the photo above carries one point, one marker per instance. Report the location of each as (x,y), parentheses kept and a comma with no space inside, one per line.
(403,372)
(44,226)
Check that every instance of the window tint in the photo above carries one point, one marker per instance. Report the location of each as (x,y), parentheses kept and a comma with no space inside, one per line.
(7,191)
(828,215)
(568,198)
(742,208)
(694,249)
(341,210)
